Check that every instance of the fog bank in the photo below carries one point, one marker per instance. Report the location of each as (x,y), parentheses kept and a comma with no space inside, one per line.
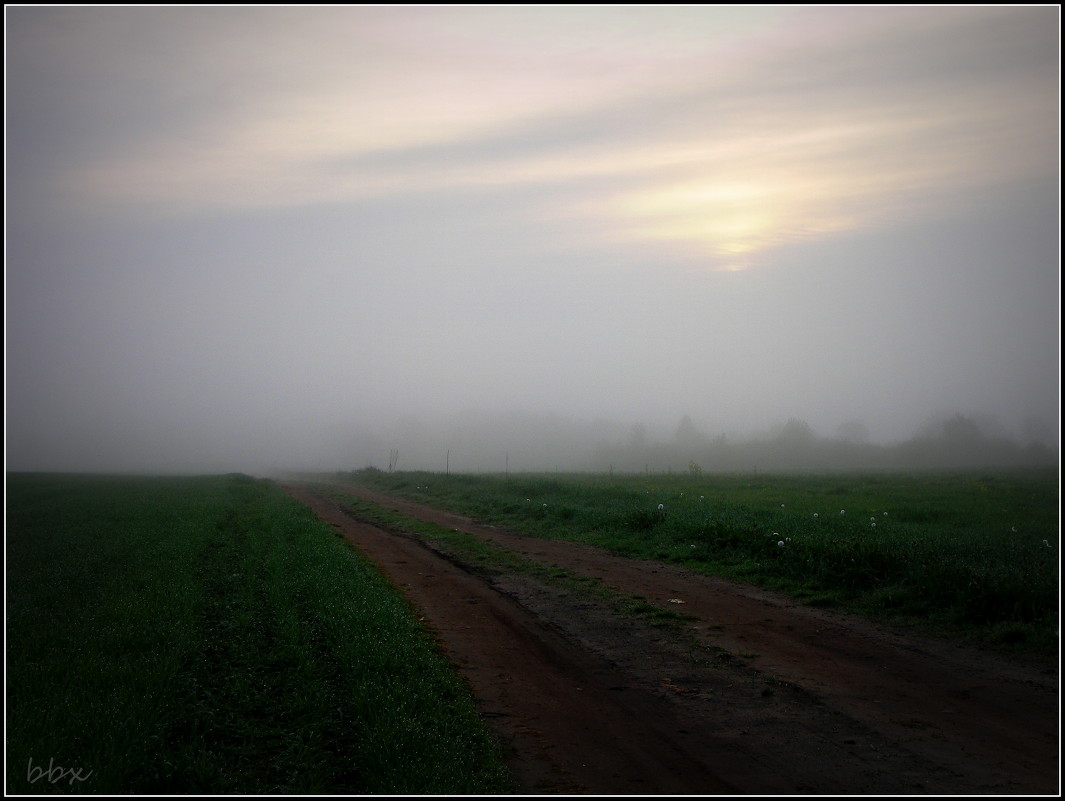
(256,238)
(479,442)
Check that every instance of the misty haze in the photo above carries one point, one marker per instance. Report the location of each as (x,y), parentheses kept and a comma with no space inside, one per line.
(678,239)
(522,442)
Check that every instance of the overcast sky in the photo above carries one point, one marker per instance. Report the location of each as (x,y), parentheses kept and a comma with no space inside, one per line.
(242,236)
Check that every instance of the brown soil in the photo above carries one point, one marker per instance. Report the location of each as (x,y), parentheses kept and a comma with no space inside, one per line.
(749,692)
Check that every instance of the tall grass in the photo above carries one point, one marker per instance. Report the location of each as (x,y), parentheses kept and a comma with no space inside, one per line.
(208,635)
(972,555)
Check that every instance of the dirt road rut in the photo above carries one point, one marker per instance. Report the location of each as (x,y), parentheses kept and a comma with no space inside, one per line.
(751,693)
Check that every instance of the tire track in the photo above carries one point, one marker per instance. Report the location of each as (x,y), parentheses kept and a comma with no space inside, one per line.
(877,711)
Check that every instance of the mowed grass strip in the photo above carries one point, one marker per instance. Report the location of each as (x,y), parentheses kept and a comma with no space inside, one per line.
(970,555)
(208,635)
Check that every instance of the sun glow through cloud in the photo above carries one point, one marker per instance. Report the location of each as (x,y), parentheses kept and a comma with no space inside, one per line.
(731,170)
(731,220)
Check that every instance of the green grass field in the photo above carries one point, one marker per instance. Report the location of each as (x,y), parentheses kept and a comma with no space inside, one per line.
(209,636)
(973,556)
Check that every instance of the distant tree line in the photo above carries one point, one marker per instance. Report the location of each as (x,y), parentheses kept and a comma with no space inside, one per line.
(953,442)
(530,442)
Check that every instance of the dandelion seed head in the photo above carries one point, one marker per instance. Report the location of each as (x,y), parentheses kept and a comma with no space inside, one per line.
(780,544)
(661,507)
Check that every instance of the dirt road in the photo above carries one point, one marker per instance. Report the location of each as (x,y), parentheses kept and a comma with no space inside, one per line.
(750,693)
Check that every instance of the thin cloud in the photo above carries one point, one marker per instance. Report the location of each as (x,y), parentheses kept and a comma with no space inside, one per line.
(889,116)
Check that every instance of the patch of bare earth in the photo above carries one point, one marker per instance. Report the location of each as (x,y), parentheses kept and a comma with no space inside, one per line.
(750,693)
